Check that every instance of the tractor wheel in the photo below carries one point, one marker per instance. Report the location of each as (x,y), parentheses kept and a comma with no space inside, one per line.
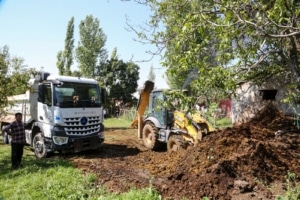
(39,146)
(150,136)
(176,143)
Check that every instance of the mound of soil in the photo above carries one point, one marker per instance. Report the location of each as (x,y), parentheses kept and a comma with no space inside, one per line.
(250,161)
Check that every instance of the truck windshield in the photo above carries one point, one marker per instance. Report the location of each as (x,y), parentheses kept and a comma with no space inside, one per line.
(69,95)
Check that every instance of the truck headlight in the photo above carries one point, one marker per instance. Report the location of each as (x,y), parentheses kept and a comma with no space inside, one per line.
(60,140)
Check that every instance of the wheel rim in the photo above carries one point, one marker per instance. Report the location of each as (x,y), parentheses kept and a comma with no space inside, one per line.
(5,139)
(39,146)
(148,137)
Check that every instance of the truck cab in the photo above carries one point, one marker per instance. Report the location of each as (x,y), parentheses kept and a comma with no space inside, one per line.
(61,113)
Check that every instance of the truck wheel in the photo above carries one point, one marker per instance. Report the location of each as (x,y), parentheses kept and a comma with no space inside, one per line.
(5,137)
(176,143)
(39,146)
(150,136)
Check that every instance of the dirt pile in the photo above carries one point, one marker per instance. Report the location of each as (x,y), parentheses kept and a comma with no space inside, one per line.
(241,162)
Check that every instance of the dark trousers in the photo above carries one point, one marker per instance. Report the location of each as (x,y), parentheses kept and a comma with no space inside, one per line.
(16,154)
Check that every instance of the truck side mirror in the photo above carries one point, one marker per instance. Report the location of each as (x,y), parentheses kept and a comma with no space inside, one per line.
(41,93)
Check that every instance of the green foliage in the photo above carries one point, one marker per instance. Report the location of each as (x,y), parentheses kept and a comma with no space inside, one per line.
(60,63)
(120,79)
(69,46)
(14,76)
(292,97)
(124,81)
(225,42)
(292,189)
(212,109)
(90,52)
(173,81)
(65,57)
(151,75)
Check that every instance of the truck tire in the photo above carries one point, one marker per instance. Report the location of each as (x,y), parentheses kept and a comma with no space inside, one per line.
(6,139)
(176,143)
(39,146)
(150,136)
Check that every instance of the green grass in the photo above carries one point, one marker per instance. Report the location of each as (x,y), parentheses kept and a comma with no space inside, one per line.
(292,188)
(220,123)
(54,178)
(117,123)
(224,122)
(124,123)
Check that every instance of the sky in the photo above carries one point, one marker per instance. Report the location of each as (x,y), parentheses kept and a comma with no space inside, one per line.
(35,30)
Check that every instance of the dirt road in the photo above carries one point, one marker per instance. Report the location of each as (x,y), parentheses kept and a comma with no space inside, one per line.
(250,161)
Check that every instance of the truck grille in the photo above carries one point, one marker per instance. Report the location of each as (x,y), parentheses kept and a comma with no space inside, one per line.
(82,125)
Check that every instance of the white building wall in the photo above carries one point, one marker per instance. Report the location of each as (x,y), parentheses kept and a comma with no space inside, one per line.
(249,101)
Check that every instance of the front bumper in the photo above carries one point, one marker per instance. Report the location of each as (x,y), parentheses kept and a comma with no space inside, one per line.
(75,143)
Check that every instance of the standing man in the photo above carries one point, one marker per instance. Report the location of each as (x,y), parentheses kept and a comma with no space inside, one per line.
(17,131)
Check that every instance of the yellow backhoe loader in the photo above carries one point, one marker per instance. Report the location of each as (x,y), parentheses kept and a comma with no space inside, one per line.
(160,126)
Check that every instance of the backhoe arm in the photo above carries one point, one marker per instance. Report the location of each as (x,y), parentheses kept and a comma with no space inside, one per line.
(142,103)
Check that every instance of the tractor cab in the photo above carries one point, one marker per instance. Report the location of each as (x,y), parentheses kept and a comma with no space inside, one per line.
(162,116)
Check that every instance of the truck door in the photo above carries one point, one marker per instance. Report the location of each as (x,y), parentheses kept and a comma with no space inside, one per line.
(45,102)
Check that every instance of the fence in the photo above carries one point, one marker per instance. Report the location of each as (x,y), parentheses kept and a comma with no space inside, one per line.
(128,114)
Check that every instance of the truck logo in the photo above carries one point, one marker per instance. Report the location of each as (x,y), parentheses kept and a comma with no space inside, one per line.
(86,112)
(83,120)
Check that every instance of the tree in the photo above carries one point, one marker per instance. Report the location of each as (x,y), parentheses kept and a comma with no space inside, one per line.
(151,75)
(173,81)
(119,78)
(65,57)
(125,81)
(253,40)
(69,46)
(14,76)
(90,53)
(60,63)
(4,79)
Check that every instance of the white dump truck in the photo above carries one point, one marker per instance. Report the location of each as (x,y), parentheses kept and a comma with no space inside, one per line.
(61,113)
